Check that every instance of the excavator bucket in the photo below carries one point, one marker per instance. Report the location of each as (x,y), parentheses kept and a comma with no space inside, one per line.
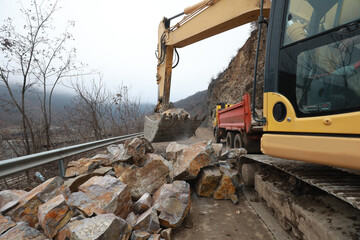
(171,125)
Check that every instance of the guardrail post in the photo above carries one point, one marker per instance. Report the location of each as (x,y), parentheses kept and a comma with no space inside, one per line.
(61,168)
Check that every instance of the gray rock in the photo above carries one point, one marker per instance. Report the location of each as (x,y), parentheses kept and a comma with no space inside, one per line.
(148,221)
(207,181)
(102,195)
(146,179)
(102,226)
(143,204)
(173,203)
(131,219)
(5,224)
(173,150)
(166,234)
(23,231)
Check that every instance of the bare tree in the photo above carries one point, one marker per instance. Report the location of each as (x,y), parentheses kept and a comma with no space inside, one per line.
(31,58)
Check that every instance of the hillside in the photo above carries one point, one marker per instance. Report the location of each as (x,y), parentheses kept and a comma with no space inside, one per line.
(195,104)
(233,82)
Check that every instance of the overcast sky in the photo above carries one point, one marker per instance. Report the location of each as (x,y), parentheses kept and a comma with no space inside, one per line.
(119,39)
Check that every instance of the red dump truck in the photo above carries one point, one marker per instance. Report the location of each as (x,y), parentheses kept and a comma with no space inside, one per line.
(235,124)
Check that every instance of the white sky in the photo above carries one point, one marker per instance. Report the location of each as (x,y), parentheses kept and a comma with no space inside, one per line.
(119,39)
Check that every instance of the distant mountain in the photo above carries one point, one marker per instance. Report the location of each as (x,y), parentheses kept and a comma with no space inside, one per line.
(195,104)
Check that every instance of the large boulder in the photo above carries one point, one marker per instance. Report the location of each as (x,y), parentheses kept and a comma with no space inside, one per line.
(27,209)
(22,231)
(53,215)
(173,203)
(102,195)
(146,179)
(118,153)
(227,186)
(207,181)
(148,221)
(137,148)
(102,226)
(81,166)
(9,198)
(192,159)
(143,204)
(173,150)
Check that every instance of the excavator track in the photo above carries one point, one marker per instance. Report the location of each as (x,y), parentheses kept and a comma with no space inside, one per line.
(337,182)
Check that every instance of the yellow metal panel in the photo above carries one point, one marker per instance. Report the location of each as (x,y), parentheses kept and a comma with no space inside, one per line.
(347,123)
(220,17)
(333,151)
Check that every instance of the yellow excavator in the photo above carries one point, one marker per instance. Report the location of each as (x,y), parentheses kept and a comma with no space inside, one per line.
(311,108)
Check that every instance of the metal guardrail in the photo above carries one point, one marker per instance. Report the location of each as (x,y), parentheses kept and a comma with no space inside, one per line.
(14,165)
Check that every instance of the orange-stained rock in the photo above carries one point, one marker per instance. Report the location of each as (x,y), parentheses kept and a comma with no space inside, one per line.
(148,221)
(173,150)
(27,209)
(227,186)
(190,161)
(143,204)
(74,183)
(207,181)
(120,168)
(9,198)
(53,215)
(146,179)
(102,195)
(137,149)
(173,203)
(102,226)
(5,224)
(82,166)
(22,231)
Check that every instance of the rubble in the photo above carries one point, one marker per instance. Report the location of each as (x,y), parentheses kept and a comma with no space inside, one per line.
(81,166)
(23,231)
(154,237)
(140,235)
(148,221)
(166,234)
(118,154)
(9,198)
(27,209)
(53,215)
(173,203)
(207,181)
(5,224)
(102,195)
(137,148)
(102,226)
(191,160)
(131,219)
(173,150)
(146,179)
(143,204)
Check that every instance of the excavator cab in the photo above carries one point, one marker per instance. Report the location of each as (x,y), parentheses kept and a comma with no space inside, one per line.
(312,82)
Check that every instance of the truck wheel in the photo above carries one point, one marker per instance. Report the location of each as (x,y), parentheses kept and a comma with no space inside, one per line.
(238,143)
(230,139)
(217,135)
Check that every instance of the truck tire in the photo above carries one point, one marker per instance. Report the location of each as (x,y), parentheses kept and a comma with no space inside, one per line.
(217,135)
(238,142)
(230,139)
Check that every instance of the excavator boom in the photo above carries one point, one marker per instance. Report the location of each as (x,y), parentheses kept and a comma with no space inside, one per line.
(201,21)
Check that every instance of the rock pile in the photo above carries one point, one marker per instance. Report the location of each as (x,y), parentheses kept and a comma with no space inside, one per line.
(127,193)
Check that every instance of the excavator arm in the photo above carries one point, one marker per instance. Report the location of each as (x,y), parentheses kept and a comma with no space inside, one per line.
(202,20)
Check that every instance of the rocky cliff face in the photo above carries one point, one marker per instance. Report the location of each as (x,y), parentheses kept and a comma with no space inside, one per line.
(237,78)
